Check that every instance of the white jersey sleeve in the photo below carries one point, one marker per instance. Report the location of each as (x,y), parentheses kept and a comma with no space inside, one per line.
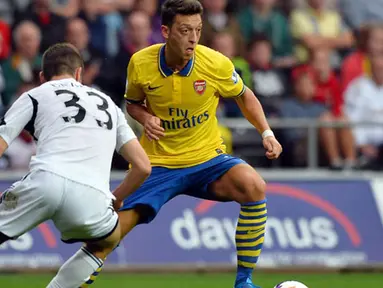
(17,118)
(124,132)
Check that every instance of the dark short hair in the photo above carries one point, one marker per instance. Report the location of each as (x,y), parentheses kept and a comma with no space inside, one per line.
(61,59)
(257,39)
(172,8)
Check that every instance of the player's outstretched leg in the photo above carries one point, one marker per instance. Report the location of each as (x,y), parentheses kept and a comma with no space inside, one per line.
(249,239)
(128,219)
(87,261)
(74,273)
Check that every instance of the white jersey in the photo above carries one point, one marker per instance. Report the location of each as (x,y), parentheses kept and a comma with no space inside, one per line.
(77,129)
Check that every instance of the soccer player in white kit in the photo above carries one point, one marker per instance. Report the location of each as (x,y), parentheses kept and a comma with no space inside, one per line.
(77,129)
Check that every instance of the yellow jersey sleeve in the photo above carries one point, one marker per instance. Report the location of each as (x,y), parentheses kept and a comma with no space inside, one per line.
(229,83)
(133,90)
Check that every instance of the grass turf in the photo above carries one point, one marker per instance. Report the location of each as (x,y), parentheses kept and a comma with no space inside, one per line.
(109,280)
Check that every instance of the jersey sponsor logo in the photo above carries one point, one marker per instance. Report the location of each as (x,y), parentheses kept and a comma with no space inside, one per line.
(181,119)
(200,86)
(235,77)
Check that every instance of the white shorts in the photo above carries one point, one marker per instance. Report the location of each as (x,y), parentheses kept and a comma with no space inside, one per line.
(80,212)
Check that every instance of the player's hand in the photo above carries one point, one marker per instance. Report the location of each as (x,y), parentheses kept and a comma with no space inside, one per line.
(153,129)
(272,146)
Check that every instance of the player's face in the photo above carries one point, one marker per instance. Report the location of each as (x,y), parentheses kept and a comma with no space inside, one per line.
(183,36)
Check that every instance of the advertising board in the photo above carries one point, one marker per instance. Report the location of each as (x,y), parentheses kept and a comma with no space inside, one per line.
(316,223)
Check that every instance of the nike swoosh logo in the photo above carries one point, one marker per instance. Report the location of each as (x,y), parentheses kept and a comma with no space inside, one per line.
(153,88)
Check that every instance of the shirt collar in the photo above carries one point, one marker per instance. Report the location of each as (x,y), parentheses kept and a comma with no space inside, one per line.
(166,71)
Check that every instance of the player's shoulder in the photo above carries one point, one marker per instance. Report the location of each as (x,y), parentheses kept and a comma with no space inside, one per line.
(90,89)
(40,90)
(147,55)
(212,60)
(207,53)
(98,93)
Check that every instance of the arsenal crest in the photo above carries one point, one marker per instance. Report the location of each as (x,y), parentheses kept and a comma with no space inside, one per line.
(200,86)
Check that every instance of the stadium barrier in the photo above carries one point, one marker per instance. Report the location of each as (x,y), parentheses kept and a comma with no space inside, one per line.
(311,125)
(317,220)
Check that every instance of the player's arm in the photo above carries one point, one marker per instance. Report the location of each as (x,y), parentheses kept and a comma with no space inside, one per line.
(252,110)
(132,151)
(135,104)
(230,85)
(14,121)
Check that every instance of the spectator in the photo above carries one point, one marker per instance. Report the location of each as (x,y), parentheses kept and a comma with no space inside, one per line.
(20,66)
(302,106)
(261,18)
(316,27)
(364,103)
(65,8)
(78,35)
(53,25)
(104,22)
(135,36)
(328,93)
(302,4)
(5,40)
(370,43)
(328,90)
(224,43)
(216,20)
(359,12)
(269,83)
(150,7)
(10,8)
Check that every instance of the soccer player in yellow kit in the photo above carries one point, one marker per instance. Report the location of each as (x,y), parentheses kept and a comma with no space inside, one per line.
(173,90)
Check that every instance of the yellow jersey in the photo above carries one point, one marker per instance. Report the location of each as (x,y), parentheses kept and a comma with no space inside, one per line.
(186,102)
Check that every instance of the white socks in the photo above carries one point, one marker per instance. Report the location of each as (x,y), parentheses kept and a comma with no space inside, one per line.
(76,270)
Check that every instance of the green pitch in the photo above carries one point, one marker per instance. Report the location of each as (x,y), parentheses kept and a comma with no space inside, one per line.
(108,280)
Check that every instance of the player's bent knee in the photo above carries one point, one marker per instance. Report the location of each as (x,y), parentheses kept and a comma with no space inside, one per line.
(130,218)
(104,247)
(253,188)
(113,239)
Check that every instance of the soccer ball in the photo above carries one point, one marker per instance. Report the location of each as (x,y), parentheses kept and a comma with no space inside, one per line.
(291,284)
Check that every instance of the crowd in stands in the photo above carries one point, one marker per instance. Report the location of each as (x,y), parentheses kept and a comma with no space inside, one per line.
(317,59)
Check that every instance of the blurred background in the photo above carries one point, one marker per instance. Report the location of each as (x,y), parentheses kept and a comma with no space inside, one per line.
(317,68)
